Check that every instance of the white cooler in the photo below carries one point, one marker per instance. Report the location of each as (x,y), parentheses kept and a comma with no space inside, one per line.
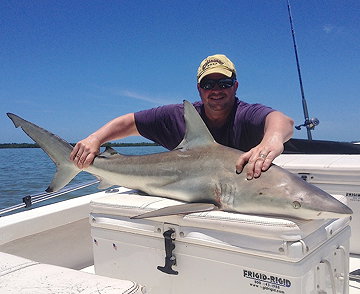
(334,173)
(217,252)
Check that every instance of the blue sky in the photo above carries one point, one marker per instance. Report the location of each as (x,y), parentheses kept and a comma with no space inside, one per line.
(71,66)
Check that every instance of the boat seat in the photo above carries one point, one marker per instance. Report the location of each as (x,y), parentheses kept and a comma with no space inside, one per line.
(21,275)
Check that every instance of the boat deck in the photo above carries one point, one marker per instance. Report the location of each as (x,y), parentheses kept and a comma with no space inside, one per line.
(25,233)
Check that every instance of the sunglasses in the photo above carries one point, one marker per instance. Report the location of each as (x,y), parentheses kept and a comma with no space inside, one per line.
(225,83)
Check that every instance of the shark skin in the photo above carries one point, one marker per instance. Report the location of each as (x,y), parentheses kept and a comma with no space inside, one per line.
(199,171)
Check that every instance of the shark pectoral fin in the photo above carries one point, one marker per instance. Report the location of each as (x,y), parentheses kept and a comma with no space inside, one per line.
(178,209)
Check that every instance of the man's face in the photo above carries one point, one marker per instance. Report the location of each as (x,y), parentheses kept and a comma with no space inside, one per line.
(217,98)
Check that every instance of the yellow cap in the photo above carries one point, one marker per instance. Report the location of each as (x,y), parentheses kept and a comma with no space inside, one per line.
(217,63)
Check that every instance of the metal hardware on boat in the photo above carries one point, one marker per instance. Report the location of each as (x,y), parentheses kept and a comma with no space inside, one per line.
(305,248)
(304,176)
(29,200)
(170,259)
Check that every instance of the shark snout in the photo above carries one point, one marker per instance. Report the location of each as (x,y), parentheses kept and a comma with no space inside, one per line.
(336,209)
(325,206)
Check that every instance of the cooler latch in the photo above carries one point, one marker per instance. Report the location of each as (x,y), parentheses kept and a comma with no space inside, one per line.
(170,259)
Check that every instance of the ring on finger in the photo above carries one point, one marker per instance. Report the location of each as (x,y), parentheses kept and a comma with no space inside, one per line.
(262,156)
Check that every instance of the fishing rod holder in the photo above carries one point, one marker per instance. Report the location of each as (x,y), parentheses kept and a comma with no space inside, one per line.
(309,124)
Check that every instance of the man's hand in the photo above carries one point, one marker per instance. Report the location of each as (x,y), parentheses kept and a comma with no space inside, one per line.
(258,159)
(278,129)
(85,151)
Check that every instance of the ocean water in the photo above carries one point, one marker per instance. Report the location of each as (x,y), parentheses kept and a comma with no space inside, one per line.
(27,171)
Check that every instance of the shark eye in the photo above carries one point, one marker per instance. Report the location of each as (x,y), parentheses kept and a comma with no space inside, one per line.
(296,204)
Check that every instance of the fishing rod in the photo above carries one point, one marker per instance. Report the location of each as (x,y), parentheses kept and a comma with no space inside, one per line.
(29,200)
(309,123)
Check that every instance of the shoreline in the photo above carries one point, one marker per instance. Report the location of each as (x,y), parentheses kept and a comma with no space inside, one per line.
(34,145)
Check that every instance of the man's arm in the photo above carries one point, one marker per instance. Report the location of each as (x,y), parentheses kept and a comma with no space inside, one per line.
(85,150)
(277,130)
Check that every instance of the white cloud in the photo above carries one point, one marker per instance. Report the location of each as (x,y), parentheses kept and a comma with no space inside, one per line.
(333,29)
(328,28)
(146,98)
(154,100)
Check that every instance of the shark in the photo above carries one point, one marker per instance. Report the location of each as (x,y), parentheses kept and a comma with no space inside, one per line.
(199,172)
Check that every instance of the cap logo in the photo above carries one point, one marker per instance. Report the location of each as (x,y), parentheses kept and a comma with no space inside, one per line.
(211,62)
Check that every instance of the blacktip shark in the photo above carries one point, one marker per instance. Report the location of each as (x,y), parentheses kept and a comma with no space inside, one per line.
(199,172)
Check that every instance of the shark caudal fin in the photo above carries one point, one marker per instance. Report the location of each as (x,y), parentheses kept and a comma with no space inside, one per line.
(57,149)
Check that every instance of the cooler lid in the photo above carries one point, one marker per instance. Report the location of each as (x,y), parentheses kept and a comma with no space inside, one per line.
(127,203)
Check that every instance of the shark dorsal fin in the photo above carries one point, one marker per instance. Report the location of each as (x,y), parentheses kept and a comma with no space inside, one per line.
(196,134)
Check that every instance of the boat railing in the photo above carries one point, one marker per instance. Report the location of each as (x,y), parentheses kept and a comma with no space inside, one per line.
(29,200)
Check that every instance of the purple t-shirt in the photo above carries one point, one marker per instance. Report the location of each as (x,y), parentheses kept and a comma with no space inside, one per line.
(243,130)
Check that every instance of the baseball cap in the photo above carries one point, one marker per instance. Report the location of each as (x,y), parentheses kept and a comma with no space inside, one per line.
(217,63)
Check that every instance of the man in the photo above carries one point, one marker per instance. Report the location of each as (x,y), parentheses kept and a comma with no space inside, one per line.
(254,128)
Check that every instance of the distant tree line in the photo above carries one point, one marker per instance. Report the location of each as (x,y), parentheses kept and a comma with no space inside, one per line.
(19,145)
(35,145)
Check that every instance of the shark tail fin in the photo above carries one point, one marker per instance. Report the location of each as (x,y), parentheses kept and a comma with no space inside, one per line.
(63,176)
(58,150)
